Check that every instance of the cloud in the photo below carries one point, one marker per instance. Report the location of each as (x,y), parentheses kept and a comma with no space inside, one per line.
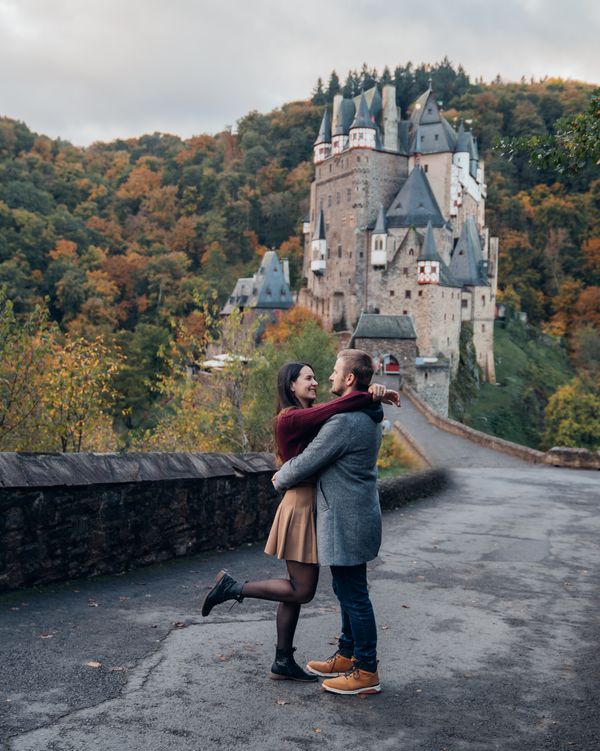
(100,69)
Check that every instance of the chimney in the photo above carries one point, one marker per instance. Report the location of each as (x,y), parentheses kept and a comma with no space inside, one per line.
(286,269)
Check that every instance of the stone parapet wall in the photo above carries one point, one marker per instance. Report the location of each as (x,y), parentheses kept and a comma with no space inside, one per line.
(557,456)
(65,516)
(71,515)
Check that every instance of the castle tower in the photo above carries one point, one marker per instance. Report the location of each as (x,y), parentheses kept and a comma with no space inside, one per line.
(429,260)
(363,132)
(379,241)
(322,147)
(318,262)
(390,201)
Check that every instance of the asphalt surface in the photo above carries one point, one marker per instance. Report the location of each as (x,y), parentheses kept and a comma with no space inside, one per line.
(441,448)
(487,605)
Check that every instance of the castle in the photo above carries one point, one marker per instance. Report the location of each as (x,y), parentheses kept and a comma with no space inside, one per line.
(397,227)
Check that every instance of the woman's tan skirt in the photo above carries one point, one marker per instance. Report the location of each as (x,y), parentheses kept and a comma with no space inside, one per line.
(293,536)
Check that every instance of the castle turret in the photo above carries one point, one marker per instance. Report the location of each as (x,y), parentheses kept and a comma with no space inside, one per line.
(363,133)
(429,260)
(319,246)
(322,147)
(379,241)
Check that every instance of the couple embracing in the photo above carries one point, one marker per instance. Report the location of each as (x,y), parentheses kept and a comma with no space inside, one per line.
(329,454)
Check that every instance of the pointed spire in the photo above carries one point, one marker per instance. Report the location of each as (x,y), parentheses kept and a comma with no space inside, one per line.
(320,227)
(325,129)
(462,140)
(363,117)
(381,223)
(429,249)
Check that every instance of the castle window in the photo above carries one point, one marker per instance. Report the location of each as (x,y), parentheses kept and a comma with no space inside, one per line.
(421,205)
(448,341)
(420,293)
(483,299)
(452,316)
(405,271)
(330,166)
(407,294)
(452,295)
(465,303)
(339,251)
(426,167)
(444,316)
(405,313)
(337,199)
(348,194)
(329,200)
(360,255)
(321,200)
(483,328)
(358,158)
(411,252)
(392,293)
(437,138)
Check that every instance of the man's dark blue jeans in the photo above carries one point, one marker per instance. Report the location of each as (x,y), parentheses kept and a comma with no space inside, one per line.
(359,631)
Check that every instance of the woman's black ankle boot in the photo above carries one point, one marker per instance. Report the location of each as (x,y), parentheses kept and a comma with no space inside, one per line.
(286,668)
(226,588)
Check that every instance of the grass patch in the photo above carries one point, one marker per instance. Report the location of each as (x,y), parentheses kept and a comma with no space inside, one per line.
(530,366)
(393,458)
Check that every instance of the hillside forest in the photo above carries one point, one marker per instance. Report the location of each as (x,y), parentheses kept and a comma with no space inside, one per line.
(116,258)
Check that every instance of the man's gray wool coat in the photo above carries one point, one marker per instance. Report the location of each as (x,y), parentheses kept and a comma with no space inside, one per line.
(343,456)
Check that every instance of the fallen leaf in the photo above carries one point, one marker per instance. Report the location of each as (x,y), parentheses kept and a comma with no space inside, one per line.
(405,606)
(318,730)
(93,664)
(92,604)
(419,690)
(467,675)
(118,669)
(281,702)
(123,598)
(420,578)
(179,624)
(46,636)
(384,627)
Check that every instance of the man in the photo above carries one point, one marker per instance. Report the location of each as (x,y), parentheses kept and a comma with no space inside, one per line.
(344,456)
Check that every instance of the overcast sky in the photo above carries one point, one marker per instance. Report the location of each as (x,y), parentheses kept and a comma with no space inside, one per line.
(90,70)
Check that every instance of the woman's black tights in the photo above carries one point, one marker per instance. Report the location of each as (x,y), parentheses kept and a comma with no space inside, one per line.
(291,594)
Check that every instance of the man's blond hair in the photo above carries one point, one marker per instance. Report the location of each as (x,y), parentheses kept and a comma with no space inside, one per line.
(359,363)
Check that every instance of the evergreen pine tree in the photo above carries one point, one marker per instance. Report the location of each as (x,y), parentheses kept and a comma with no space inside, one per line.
(333,86)
(318,95)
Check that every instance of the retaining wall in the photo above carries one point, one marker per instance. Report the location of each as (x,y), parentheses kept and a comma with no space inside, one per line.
(557,456)
(70,515)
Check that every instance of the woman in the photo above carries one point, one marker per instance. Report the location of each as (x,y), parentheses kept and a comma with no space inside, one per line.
(293,535)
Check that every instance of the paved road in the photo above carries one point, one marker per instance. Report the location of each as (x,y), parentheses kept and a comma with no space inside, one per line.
(487,603)
(446,449)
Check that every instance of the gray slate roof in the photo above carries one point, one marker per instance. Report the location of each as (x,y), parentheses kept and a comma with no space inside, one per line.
(415,204)
(325,129)
(376,326)
(267,289)
(363,116)
(467,264)
(346,114)
(428,249)
(380,225)
(429,253)
(319,233)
